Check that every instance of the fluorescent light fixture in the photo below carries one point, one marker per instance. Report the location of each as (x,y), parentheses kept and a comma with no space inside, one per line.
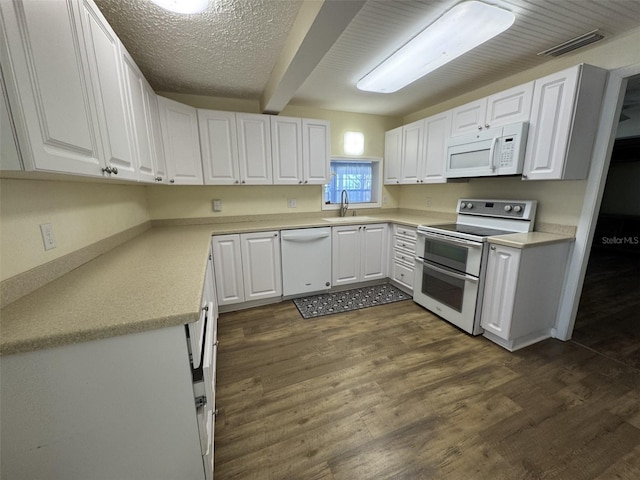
(183,6)
(353,143)
(459,30)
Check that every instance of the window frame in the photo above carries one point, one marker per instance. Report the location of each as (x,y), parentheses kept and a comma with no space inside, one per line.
(376,183)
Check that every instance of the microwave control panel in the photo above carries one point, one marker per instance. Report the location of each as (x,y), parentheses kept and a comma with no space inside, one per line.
(507,151)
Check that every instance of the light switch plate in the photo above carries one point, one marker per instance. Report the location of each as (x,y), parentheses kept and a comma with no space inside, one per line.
(292,203)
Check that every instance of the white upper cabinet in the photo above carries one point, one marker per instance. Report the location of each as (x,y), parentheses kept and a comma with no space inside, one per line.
(437,130)
(286,143)
(10,158)
(218,143)
(392,156)
(564,119)
(181,143)
(140,118)
(509,106)
(411,157)
(316,151)
(159,162)
(254,148)
(55,118)
(110,80)
(415,153)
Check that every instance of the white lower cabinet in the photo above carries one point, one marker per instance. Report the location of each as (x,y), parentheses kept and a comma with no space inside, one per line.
(359,253)
(131,406)
(247,267)
(522,293)
(403,253)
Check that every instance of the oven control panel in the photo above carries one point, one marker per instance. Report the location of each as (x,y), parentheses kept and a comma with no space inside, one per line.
(520,209)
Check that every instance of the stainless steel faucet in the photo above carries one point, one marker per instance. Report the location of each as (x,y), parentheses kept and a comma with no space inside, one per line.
(344,203)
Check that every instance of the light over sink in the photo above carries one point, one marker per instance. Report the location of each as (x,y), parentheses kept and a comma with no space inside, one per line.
(351,219)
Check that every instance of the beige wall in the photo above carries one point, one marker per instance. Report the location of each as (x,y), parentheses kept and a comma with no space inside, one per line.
(80,213)
(558,202)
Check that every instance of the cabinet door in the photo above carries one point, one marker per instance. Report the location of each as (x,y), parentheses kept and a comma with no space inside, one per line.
(181,143)
(286,149)
(316,151)
(468,118)
(392,156)
(509,106)
(254,148)
(219,147)
(109,82)
(10,158)
(550,125)
(345,254)
(373,249)
(261,265)
(437,130)
(159,162)
(227,265)
(500,290)
(140,121)
(56,113)
(412,152)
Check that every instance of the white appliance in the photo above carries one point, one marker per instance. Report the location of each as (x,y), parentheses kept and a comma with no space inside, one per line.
(491,152)
(306,260)
(451,259)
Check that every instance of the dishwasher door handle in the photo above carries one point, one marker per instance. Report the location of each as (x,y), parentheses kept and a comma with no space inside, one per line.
(297,237)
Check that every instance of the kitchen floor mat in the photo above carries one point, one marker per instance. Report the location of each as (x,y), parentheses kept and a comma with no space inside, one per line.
(347,300)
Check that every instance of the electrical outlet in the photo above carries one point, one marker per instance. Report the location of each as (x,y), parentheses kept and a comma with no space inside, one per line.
(217,205)
(427,202)
(47,236)
(291,203)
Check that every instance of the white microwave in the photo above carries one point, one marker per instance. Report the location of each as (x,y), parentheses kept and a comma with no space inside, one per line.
(495,151)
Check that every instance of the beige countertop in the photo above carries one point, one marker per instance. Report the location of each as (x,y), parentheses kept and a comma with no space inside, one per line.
(155,280)
(152,281)
(530,239)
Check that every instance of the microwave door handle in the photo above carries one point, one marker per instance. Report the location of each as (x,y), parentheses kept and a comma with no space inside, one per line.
(459,276)
(492,153)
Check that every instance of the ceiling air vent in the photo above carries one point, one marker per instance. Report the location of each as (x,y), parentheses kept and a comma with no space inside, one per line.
(573,44)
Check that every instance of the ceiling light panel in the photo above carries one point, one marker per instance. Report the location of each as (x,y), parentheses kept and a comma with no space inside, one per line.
(461,29)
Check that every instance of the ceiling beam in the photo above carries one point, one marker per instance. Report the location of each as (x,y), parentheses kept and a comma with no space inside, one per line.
(315,30)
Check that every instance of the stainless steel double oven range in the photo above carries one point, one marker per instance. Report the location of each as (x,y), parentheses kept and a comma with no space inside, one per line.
(451,259)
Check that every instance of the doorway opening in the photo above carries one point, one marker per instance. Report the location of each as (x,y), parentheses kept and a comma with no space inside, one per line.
(607,316)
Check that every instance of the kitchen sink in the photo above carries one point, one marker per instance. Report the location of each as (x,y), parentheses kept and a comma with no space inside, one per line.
(351,219)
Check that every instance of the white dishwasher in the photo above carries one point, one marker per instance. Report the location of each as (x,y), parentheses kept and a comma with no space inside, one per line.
(306,260)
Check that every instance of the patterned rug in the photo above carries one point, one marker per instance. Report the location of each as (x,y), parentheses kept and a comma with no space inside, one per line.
(347,300)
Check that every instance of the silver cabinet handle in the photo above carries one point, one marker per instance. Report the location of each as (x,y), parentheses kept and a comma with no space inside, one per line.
(493,247)
(158,179)
(114,170)
(172,181)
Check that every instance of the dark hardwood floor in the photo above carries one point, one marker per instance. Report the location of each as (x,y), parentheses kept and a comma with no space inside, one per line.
(393,392)
(608,318)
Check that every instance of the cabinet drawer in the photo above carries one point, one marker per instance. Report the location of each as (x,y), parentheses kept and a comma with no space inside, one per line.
(408,232)
(403,256)
(404,244)
(403,274)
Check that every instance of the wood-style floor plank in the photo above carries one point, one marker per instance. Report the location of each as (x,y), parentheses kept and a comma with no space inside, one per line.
(393,392)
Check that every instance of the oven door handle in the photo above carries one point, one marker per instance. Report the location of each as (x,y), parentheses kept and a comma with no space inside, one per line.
(459,276)
(451,240)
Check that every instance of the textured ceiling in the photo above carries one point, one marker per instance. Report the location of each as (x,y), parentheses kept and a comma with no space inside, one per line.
(231,50)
